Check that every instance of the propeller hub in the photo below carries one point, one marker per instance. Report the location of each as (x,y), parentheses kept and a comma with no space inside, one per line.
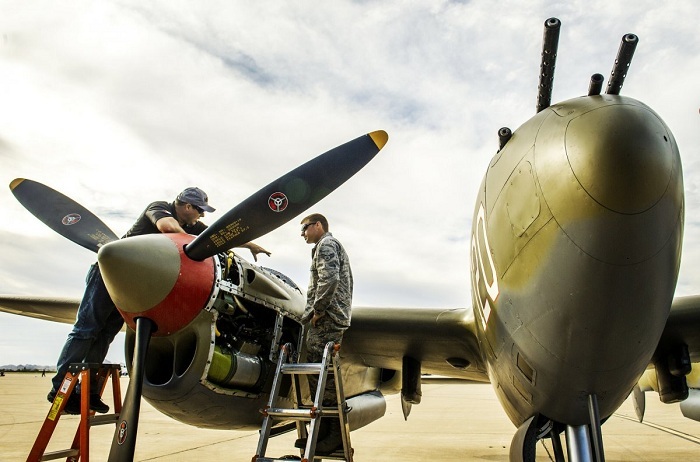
(150,276)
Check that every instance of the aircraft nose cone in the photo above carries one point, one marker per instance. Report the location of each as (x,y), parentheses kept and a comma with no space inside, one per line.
(628,163)
(611,175)
(140,271)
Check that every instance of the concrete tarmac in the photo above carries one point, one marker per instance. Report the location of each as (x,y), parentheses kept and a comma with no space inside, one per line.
(456,421)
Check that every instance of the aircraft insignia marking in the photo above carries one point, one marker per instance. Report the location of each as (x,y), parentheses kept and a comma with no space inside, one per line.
(481,253)
(71,219)
(278,202)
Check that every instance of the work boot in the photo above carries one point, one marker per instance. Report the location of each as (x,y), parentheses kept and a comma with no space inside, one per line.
(322,433)
(72,405)
(333,441)
(97,405)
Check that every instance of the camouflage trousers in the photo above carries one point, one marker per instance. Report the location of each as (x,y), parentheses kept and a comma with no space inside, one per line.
(325,331)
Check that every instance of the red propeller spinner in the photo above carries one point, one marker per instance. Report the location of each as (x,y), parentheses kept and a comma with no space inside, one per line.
(151,276)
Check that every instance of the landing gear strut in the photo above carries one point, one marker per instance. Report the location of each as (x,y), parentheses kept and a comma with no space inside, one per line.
(584,443)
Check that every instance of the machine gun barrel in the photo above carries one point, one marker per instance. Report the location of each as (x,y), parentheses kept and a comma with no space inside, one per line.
(504,135)
(549,58)
(622,63)
(595,85)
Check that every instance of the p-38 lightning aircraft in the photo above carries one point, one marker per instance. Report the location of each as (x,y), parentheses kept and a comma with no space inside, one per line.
(575,252)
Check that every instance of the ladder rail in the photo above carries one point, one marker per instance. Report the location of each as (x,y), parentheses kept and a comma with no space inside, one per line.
(312,439)
(276,384)
(342,407)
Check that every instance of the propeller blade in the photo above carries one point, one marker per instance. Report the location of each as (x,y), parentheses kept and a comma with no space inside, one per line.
(286,197)
(62,214)
(124,442)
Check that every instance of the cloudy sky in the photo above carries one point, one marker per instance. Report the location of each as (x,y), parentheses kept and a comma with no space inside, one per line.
(119,103)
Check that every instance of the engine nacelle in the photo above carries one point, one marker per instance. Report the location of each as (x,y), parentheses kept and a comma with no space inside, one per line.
(365,409)
(690,407)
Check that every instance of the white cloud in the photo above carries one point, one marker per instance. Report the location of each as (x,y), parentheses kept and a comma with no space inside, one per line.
(119,103)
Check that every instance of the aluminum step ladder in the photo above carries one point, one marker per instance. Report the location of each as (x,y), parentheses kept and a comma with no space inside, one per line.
(80,449)
(330,364)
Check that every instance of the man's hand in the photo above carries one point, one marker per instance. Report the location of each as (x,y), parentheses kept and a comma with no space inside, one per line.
(316,317)
(255,249)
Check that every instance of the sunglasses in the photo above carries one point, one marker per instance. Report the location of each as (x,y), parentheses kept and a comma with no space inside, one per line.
(198,209)
(303,227)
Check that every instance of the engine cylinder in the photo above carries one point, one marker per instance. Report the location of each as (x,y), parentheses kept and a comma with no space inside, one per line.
(236,369)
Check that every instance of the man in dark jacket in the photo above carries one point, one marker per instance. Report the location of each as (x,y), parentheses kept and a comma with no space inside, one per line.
(98,321)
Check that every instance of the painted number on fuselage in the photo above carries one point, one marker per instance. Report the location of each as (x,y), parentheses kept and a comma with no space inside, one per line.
(483,268)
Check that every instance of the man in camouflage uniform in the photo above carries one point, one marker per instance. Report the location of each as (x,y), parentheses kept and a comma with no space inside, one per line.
(328,310)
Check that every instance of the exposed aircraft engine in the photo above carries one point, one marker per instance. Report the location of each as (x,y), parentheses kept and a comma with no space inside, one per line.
(217,371)
(227,351)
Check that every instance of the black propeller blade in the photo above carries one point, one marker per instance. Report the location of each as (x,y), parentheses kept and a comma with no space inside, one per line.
(286,197)
(124,442)
(62,214)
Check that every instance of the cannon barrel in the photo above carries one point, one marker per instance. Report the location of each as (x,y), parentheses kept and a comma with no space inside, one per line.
(549,58)
(622,64)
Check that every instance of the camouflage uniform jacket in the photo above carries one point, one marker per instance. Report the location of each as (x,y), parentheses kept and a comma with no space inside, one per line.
(330,284)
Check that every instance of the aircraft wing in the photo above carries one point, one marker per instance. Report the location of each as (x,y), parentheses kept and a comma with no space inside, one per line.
(683,326)
(48,309)
(443,340)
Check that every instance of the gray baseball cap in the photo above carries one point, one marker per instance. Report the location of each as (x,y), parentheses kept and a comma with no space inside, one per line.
(196,197)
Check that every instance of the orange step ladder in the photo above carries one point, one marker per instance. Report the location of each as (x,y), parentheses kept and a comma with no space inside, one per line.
(80,449)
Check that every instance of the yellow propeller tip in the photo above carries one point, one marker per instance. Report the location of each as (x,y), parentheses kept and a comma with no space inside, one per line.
(16,183)
(380,137)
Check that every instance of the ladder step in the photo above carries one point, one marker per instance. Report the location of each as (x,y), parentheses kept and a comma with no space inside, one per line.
(104,419)
(298,414)
(302,368)
(337,455)
(65,453)
(272,459)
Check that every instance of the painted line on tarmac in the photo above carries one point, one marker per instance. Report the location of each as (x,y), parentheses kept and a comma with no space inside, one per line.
(670,431)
